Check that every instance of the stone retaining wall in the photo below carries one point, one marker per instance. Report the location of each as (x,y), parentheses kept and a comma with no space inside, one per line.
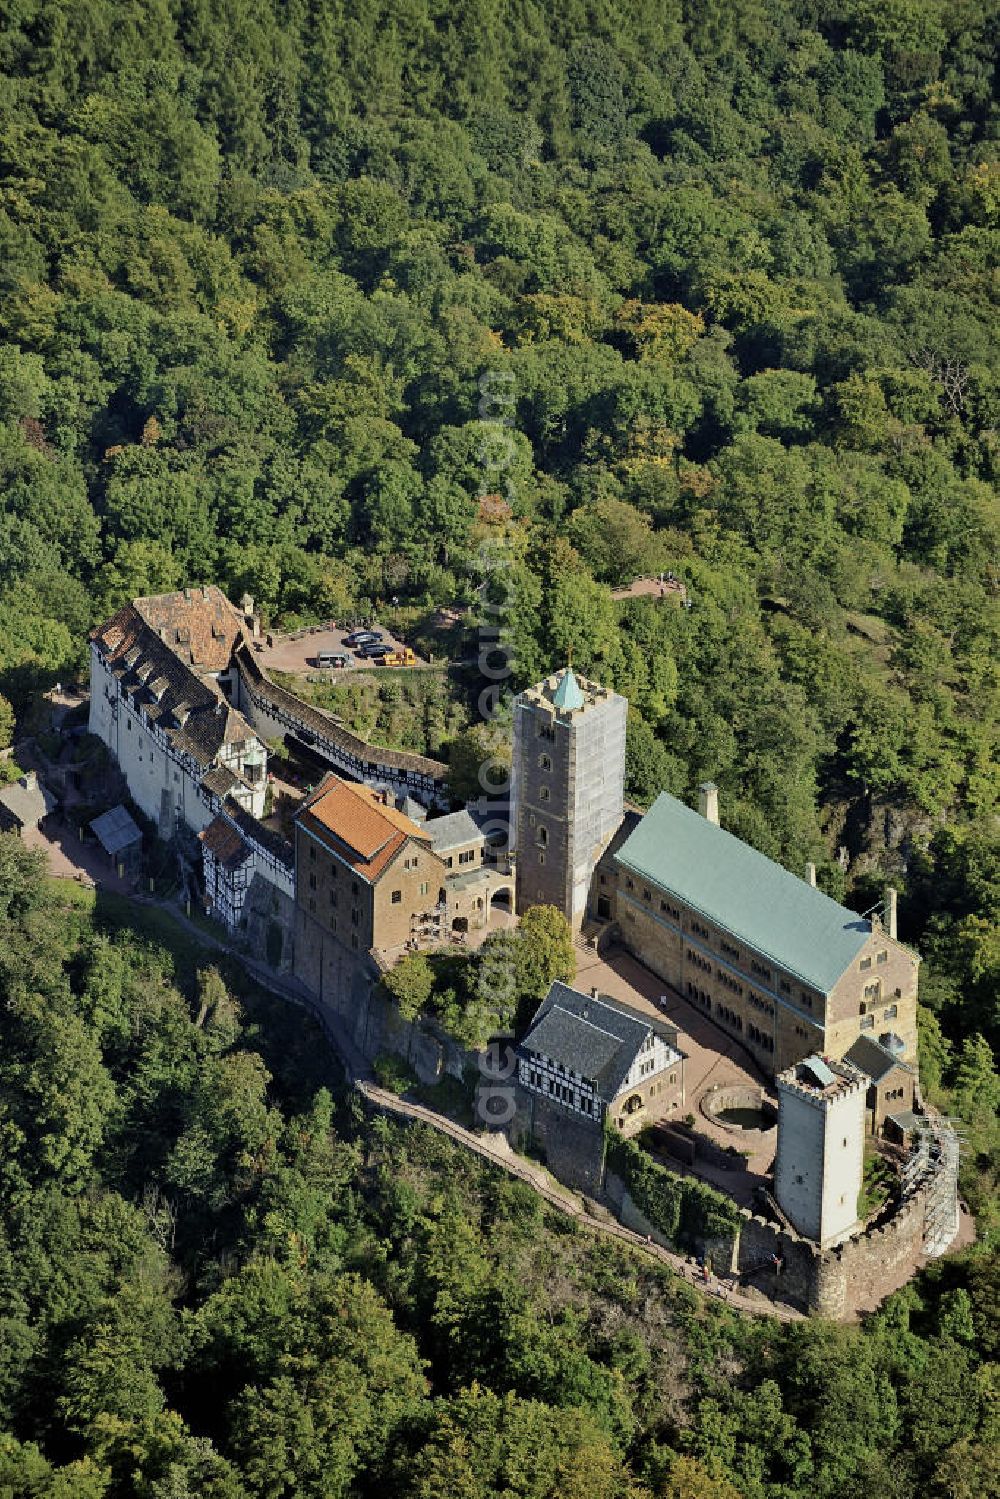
(347,983)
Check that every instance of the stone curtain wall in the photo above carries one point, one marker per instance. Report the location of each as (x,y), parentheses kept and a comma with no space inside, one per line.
(346,983)
(833,1282)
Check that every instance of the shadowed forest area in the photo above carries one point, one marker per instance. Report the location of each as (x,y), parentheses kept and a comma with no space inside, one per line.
(219,1279)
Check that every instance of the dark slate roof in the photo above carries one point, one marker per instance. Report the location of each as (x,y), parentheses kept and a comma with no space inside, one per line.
(266,838)
(874,1060)
(451,831)
(746,894)
(116,830)
(595,1037)
(220,780)
(166,688)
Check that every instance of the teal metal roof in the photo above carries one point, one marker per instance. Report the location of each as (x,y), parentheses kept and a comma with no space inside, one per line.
(568,694)
(820,1071)
(743,892)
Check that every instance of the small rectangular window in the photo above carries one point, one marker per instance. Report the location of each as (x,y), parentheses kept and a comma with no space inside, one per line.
(866,963)
(883,957)
(397,896)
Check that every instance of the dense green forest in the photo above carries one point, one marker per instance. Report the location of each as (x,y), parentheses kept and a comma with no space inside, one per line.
(726,275)
(218,1279)
(732,264)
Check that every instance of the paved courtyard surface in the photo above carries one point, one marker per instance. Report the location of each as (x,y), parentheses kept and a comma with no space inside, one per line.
(713,1059)
(69,859)
(297,653)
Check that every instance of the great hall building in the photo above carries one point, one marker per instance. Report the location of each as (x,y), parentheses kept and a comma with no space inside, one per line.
(773,961)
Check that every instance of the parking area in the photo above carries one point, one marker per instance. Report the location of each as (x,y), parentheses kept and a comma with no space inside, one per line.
(299,653)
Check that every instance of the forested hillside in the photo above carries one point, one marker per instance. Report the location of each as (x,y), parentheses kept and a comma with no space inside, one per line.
(218,1281)
(734,264)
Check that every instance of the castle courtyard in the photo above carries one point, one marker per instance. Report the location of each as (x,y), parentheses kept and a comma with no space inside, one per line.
(712,1059)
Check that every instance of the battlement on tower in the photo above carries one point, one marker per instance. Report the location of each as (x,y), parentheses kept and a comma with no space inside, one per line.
(564,698)
(821,1081)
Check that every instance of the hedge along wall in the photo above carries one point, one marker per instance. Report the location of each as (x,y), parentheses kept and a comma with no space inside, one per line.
(686,1212)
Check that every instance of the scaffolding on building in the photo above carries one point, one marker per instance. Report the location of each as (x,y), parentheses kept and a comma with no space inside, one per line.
(933,1167)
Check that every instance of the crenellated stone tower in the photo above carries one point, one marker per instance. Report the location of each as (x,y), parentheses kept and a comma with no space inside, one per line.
(567,788)
(821,1142)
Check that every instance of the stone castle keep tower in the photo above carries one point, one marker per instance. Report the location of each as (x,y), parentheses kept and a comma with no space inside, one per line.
(821,1141)
(567,788)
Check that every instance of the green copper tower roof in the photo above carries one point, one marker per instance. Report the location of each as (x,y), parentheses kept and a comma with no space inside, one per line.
(744,893)
(568,694)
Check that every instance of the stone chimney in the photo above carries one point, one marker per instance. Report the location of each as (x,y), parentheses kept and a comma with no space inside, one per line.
(890,911)
(250,616)
(30,780)
(708,801)
(811,873)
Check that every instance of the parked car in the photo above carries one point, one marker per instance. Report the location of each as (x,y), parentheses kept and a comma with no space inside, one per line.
(374,651)
(362,637)
(331,658)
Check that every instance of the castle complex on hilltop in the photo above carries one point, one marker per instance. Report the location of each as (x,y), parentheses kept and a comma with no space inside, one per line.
(776,963)
(823,1000)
